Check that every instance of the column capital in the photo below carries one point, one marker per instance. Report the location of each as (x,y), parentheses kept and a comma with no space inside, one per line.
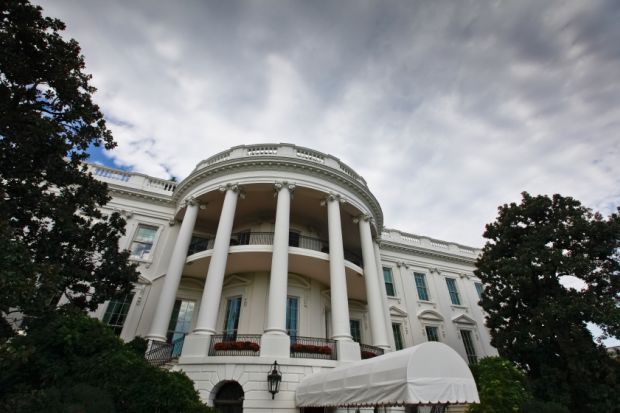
(191,201)
(363,217)
(278,185)
(236,188)
(332,197)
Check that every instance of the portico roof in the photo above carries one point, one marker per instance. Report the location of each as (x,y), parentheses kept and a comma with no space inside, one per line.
(429,373)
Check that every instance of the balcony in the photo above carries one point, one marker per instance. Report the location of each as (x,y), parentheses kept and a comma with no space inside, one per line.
(199,244)
(235,345)
(313,348)
(368,351)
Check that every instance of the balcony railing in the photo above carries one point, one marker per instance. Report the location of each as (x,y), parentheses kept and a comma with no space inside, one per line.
(160,353)
(313,348)
(199,244)
(368,351)
(235,345)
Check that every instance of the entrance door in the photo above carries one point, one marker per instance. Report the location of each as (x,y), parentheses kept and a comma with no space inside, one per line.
(229,398)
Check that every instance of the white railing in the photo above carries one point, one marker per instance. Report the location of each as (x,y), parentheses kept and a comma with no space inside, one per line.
(426,242)
(132,179)
(282,150)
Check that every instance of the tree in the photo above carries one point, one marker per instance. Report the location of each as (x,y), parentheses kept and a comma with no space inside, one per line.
(54,240)
(501,386)
(537,322)
(73,363)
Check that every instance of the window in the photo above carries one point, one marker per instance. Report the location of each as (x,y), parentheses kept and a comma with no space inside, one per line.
(292,312)
(454,294)
(356,331)
(116,313)
(472,358)
(181,319)
(293,239)
(420,283)
(479,289)
(389,282)
(143,242)
(432,333)
(231,322)
(398,337)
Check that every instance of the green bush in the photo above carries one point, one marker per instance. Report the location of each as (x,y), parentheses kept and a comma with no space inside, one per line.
(72,363)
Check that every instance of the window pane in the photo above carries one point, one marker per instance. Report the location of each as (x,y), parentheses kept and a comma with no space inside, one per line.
(116,313)
(398,338)
(181,319)
(233,308)
(420,283)
(432,333)
(389,283)
(472,358)
(479,289)
(143,241)
(454,294)
(356,332)
(292,311)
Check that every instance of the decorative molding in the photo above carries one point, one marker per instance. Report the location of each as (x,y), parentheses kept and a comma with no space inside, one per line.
(464,319)
(397,312)
(430,315)
(410,249)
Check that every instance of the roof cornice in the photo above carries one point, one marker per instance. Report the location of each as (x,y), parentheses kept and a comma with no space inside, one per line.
(410,249)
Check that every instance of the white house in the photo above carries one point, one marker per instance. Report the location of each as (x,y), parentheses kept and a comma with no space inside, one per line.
(276,252)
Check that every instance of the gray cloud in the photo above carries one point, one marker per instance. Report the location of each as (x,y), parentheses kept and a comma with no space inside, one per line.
(448,109)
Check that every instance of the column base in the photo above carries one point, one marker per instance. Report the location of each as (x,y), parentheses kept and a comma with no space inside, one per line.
(275,345)
(348,350)
(196,346)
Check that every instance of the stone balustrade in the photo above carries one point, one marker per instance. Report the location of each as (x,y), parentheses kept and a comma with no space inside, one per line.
(132,179)
(282,150)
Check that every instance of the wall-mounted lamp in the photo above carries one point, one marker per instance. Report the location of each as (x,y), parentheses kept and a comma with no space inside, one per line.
(273,379)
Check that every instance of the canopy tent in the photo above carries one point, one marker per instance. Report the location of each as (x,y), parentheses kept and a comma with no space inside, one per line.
(429,373)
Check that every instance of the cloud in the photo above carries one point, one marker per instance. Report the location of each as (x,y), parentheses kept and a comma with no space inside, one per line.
(447,109)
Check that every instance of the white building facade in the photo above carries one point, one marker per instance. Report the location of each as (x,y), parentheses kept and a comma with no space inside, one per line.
(276,252)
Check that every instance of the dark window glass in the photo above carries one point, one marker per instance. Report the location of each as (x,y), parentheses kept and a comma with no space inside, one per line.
(454,294)
(420,283)
(398,337)
(233,308)
(479,289)
(389,282)
(143,242)
(292,315)
(116,313)
(356,331)
(432,333)
(472,358)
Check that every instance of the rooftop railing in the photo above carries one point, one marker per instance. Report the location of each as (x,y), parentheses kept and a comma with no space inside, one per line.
(199,244)
(133,179)
(282,150)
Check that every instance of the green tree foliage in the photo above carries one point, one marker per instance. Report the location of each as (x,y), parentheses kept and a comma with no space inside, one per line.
(537,322)
(501,386)
(53,237)
(71,362)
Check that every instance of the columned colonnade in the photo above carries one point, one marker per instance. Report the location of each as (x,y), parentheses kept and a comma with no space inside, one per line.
(275,341)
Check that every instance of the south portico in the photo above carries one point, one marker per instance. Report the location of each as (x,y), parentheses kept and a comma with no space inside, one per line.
(275,342)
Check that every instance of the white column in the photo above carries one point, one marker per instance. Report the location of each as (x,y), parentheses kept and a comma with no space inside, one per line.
(275,341)
(373,293)
(348,350)
(341,329)
(386,307)
(210,303)
(163,312)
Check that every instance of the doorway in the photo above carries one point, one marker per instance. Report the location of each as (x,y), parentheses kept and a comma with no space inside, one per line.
(229,398)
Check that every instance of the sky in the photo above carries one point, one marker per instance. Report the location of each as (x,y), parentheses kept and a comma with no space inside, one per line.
(447,109)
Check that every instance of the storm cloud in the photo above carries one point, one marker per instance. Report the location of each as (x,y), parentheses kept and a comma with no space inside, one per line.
(448,109)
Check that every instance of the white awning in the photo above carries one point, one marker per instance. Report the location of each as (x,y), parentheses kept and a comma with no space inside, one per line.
(429,373)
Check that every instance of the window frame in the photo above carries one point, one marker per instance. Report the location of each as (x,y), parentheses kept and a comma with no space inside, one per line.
(435,328)
(111,312)
(391,283)
(470,347)
(425,286)
(149,255)
(226,331)
(397,327)
(358,323)
(479,289)
(453,294)
(288,318)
